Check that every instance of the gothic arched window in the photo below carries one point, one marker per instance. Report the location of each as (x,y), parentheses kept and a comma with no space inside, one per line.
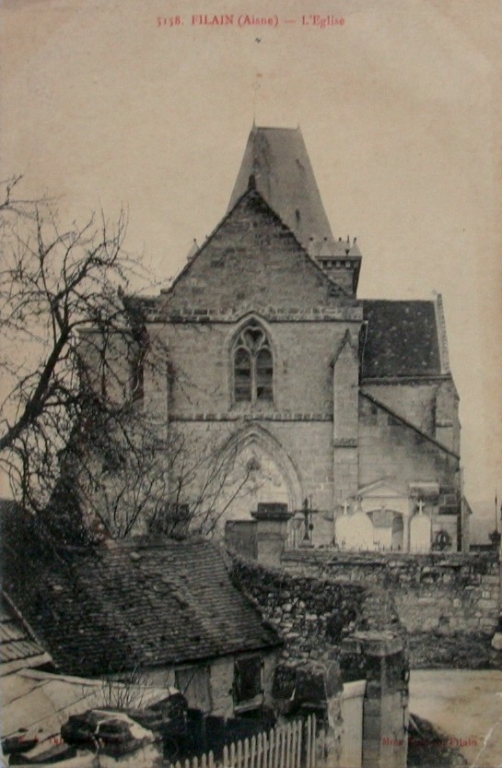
(253,366)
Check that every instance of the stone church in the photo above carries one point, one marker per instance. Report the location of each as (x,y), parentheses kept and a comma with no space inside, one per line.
(342,408)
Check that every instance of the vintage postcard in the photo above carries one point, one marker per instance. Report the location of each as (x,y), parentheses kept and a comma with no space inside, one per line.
(250,419)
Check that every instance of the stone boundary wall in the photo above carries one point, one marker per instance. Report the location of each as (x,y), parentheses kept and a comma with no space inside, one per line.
(315,615)
(446,594)
(335,632)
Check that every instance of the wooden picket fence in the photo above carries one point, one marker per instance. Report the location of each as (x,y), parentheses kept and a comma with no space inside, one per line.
(286,746)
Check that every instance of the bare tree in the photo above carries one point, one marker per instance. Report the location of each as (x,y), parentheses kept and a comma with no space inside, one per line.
(207,476)
(55,283)
(78,446)
(131,480)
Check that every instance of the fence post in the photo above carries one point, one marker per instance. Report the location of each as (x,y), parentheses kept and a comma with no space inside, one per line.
(252,756)
(245,763)
(271,749)
(289,738)
(300,745)
(265,750)
(314,741)
(308,753)
(281,748)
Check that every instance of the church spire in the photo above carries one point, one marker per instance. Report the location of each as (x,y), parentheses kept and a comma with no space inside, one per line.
(279,162)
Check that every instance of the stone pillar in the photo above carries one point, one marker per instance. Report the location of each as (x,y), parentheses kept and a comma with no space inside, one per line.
(385,709)
(271,532)
(345,421)
(381,658)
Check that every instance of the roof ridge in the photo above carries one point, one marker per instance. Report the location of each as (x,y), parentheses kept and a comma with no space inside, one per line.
(444,355)
(206,242)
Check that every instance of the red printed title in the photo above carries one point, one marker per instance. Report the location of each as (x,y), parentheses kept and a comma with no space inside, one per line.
(314,20)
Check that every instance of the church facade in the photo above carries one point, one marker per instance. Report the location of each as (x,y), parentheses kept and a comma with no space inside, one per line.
(337,406)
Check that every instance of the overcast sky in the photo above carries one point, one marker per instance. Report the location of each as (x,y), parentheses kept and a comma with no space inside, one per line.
(400,109)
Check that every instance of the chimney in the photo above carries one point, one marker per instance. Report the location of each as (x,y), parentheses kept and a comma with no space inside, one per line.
(271,532)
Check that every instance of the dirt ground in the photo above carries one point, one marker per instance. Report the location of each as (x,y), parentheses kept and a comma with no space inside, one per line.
(428,747)
(466,705)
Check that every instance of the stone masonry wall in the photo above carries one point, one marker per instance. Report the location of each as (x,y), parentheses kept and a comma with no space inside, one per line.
(437,593)
(252,257)
(445,595)
(298,388)
(315,615)
(431,405)
(336,632)
(414,402)
(388,448)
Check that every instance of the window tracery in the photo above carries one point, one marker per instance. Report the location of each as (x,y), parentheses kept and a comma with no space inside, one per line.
(253,366)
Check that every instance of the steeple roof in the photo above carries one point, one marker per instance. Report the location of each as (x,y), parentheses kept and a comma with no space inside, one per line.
(279,162)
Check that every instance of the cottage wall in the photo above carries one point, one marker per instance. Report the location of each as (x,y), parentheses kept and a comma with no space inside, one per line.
(209,685)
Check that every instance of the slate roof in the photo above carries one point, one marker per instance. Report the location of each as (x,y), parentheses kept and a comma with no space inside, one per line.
(401,341)
(137,604)
(279,161)
(18,648)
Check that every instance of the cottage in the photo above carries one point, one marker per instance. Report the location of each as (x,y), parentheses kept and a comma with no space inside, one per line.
(163,614)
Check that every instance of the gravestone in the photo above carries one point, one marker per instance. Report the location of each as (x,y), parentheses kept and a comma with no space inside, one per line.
(420,531)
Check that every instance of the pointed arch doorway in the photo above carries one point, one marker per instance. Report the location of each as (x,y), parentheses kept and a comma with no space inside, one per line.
(262,472)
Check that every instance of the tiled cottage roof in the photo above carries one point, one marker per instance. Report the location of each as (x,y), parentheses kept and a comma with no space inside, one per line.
(138,603)
(401,340)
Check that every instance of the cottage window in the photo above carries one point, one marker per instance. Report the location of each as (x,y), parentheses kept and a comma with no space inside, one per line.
(195,684)
(253,366)
(247,679)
